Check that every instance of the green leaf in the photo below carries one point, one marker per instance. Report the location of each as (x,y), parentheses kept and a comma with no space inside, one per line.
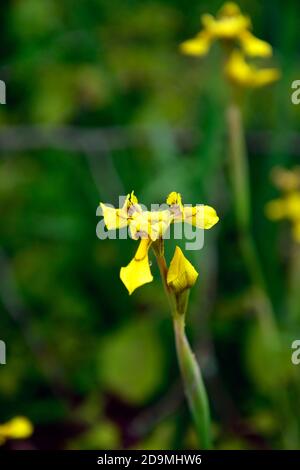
(131,361)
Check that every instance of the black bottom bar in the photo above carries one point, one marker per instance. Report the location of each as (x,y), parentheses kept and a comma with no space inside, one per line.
(137,459)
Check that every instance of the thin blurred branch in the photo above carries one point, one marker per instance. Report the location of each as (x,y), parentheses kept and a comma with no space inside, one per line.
(16,138)
(72,138)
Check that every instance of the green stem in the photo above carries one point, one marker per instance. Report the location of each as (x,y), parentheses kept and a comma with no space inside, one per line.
(265,313)
(241,191)
(190,372)
(239,167)
(193,383)
(294,283)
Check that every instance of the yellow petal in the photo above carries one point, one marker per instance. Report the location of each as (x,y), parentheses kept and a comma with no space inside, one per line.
(131,199)
(238,71)
(225,27)
(181,274)
(253,46)
(174,200)
(17,428)
(229,9)
(137,272)
(292,204)
(114,218)
(203,217)
(200,216)
(118,218)
(159,222)
(197,46)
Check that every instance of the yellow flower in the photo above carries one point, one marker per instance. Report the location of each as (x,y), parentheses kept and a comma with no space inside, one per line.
(288,206)
(240,73)
(17,428)
(181,274)
(229,26)
(150,227)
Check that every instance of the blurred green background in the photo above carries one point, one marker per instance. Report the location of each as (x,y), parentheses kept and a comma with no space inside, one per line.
(101,102)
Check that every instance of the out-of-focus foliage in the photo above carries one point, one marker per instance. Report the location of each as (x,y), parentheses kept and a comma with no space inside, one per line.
(89,365)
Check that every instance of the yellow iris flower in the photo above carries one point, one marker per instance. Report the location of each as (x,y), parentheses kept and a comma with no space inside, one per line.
(288,206)
(150,227)
(240,73)
(230,26)
(17,428)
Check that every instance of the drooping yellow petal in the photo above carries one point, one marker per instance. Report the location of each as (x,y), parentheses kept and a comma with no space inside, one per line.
(197,46)
(253,46)
(119,218)
(237,69)
(240,73)
(181,274)
(203,217)
(17,428)
(137,272)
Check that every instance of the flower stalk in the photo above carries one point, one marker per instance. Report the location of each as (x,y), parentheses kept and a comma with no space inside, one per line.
(294,282)
(193,383)
(239,169)
(194,387)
